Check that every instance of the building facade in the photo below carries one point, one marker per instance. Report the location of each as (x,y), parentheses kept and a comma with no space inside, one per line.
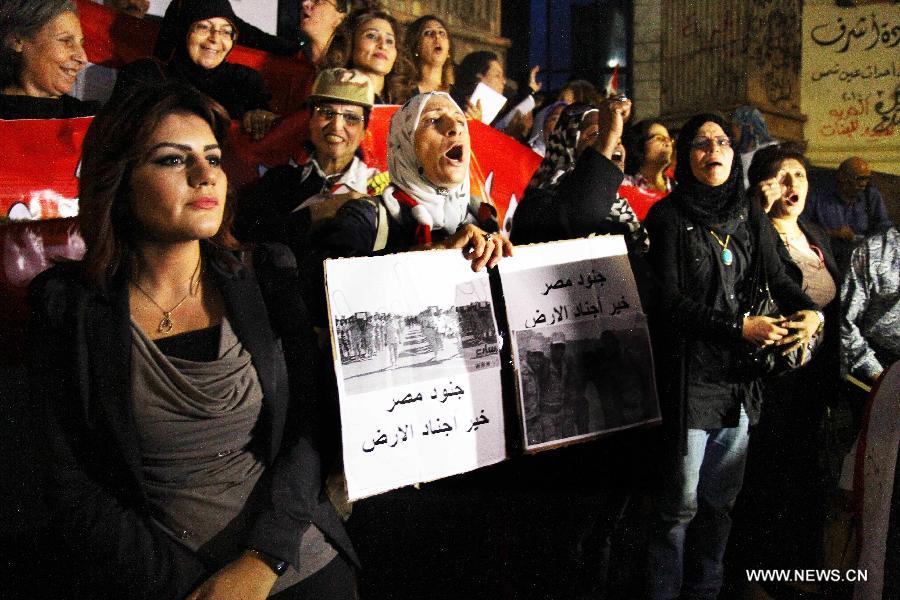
(821,73)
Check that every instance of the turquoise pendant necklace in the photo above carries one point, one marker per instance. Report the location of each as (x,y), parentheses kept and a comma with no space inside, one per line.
(727,255)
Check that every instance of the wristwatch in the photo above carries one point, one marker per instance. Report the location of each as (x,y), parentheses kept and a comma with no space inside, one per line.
(277,565)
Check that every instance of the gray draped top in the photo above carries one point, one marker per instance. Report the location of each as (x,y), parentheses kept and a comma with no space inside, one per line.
(195,423)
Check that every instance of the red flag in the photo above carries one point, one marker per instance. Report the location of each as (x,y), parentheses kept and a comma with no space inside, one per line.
(612,88)
(39,180)
(640,199)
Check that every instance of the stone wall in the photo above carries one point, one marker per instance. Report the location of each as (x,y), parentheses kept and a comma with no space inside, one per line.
(474,24)
(646,49)
(696,55)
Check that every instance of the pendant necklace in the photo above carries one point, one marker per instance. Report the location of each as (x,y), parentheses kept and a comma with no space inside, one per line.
(727,255)
(166,323)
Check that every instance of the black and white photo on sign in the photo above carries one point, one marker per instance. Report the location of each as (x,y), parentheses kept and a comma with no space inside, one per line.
(579,380)
(372,343)
(403,319)
(416,356)
(581,347)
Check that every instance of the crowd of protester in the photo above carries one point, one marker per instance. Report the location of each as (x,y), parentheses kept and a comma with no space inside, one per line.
(184,407)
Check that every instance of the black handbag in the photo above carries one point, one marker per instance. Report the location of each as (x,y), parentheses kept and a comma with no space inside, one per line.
(769,361)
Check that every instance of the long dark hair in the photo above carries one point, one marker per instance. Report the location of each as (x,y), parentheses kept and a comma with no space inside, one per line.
(398,84)
(469,72)
(414,37)
(24,18)
(635,141)
(113,145)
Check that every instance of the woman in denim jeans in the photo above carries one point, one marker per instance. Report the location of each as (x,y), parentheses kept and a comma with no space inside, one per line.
(704,240)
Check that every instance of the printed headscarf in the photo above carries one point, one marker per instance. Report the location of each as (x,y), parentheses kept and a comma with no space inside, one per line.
(754,131)
(560,157)
(536,140)
(433,207)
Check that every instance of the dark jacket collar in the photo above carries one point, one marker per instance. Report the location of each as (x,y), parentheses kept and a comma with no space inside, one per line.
(817,236)
(107,333)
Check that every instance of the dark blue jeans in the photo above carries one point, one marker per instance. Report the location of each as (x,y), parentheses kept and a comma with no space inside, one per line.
(692,514)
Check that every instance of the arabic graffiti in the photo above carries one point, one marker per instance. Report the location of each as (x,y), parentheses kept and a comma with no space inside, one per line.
(856,77)
(707,33)
(872,116)
(850,76)
(889,112)
(866,34)
(774,48)
(432,427)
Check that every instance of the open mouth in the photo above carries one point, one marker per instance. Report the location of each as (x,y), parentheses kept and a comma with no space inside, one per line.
(455,153)
(792,199)
(617,156)
(712,164)
(333,139)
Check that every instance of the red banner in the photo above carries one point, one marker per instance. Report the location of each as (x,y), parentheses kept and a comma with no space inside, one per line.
(38,181)
(38,177)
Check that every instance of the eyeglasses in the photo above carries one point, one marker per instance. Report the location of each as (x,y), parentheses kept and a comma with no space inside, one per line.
(705,143)
(660,138)
(329,115)
(205,29)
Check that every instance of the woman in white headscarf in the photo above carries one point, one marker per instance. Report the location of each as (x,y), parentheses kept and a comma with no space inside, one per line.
(427,204)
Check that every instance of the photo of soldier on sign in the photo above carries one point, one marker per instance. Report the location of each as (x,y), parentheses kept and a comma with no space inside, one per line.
(585,380)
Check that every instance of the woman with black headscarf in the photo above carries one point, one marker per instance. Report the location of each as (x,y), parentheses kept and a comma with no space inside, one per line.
(207,31)
(705,240)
